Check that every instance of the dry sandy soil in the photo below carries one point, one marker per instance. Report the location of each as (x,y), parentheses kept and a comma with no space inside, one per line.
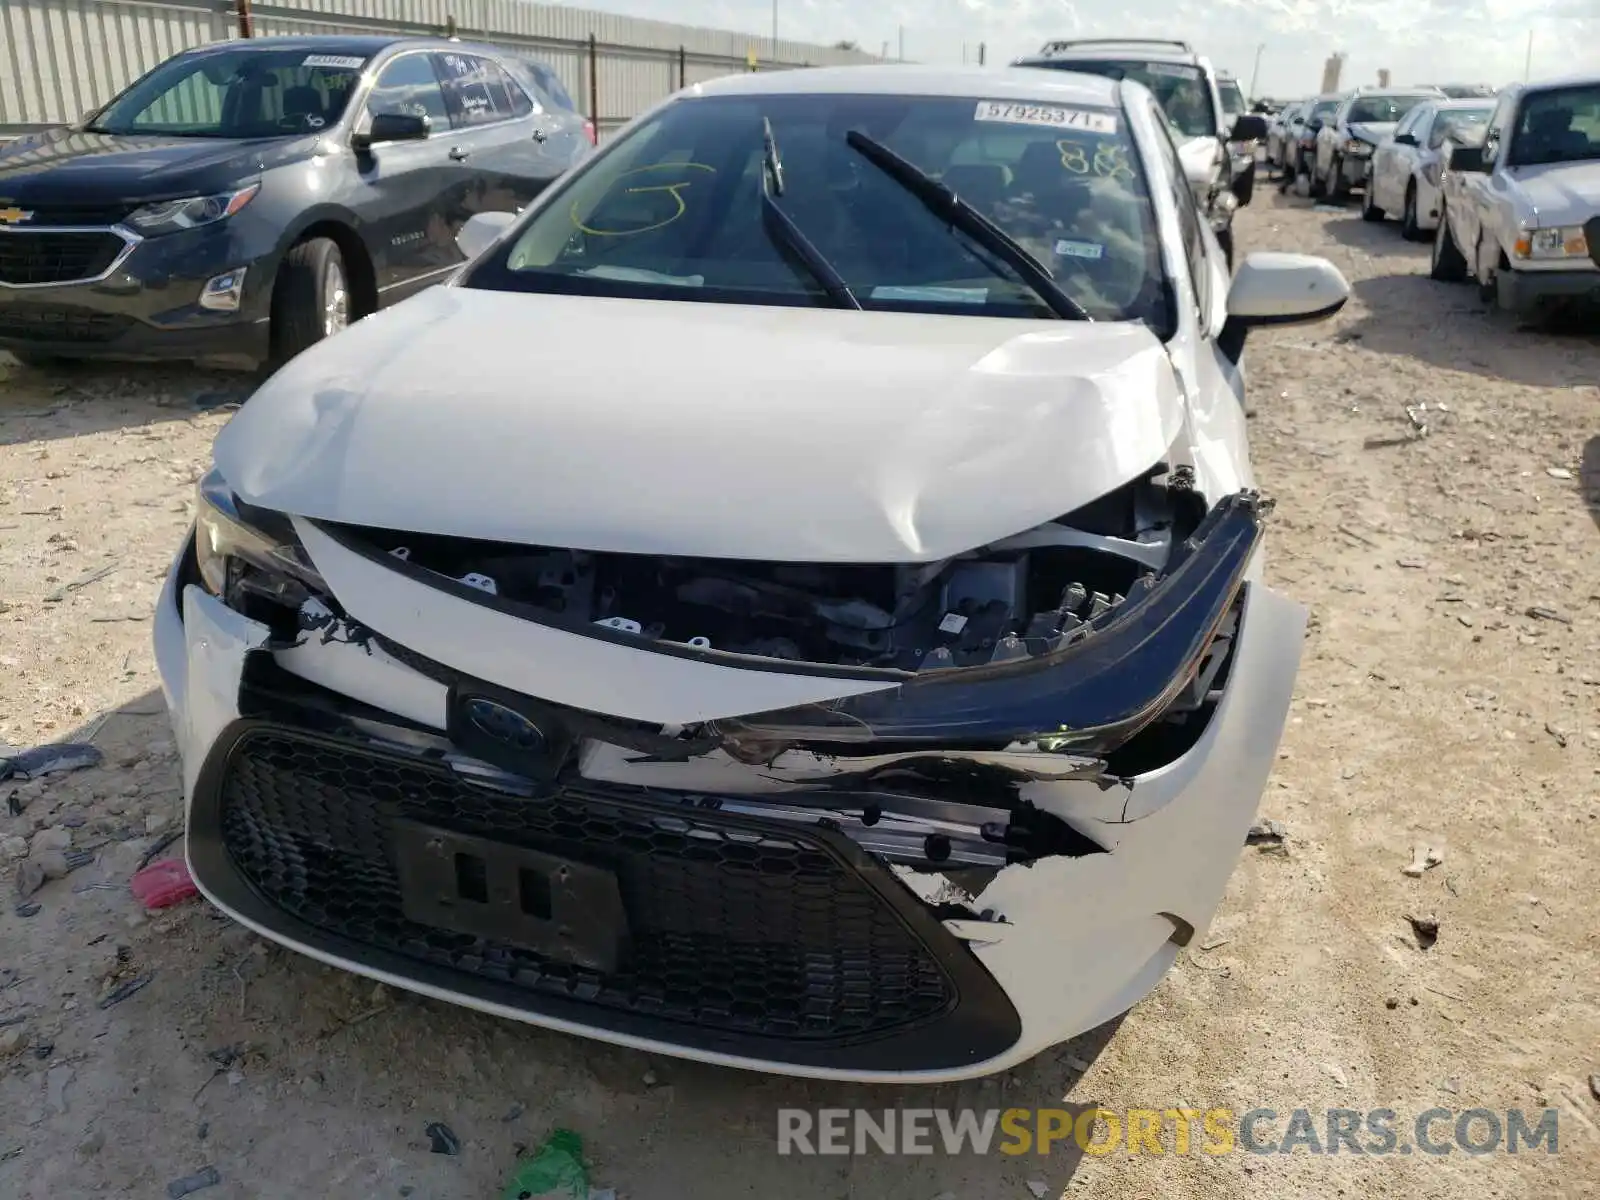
(1432,708)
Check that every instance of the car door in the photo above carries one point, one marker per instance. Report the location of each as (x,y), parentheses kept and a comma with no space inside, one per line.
(1395,160)
(497,150)
(1478,189)
(402,183)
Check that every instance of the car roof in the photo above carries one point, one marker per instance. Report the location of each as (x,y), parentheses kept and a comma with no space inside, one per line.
(1422,89)
(1465,102)
(1587,79)
(366,44)
(904,79)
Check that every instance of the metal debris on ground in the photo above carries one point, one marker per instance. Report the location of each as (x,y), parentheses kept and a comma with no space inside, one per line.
(442,1139)
(1267,833)
(1426,929)
(1423,857)
(203,1178)
(122,991)
(39,761)
(1558,473)
(81,582)
(555,1171)
(1540,613)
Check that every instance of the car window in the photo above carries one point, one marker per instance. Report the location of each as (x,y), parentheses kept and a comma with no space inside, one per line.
(1324,111)
(1179,88)
(408,86)
(1189,221)
(476,91)
(1495,135)
(674,210)
(1381,110)
(1558,125)
(1465,126)
(236,93)
(521,104)
(1415,121)
(1232,98)
(550,84)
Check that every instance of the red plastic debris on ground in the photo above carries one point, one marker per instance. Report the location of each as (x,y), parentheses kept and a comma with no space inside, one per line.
(163,884)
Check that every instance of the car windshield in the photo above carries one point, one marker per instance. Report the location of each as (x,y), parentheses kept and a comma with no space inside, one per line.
(1464,126)
(674,210)
(1179,88)
(1382,110)
(236,93)
(1322,110)
(1558,125)
(1232,98)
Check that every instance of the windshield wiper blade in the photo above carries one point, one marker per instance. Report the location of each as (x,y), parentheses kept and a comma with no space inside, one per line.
(788,235)
(940,200)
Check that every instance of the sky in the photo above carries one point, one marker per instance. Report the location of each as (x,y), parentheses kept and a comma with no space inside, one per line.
(1419,41)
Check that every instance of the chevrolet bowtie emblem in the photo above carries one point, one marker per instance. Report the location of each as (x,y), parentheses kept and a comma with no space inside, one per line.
(13,216)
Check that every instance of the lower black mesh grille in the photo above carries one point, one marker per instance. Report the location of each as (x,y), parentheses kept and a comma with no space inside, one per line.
(732,926)
(59,323)
(56,257)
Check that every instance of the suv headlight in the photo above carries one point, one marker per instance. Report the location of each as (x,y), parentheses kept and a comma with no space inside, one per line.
(169,216)
(1566,241)
(243,550)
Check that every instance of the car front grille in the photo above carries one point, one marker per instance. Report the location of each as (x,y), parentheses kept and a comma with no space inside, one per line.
(28,257)
(60,323)
(736,928)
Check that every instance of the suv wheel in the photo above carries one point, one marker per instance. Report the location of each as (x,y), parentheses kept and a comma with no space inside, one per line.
(1449,264)
(1369,207)
(310,299)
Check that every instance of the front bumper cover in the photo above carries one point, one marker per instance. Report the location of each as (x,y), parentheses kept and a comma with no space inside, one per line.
(1070,943)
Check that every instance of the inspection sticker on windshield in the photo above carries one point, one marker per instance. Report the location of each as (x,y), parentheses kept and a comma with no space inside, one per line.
(1175,70)
(1067,248)
(351,61)
(1054,116)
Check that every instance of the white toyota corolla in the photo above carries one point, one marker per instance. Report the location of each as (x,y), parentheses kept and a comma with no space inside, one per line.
(793,600)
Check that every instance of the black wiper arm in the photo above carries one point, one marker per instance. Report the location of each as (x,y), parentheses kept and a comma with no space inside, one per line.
(940,200)
(788,235)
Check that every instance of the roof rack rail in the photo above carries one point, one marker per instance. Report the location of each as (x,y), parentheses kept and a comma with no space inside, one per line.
(1058,46)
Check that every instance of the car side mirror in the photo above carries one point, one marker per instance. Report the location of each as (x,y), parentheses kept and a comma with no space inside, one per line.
(1464,159)
(1405,139)
(1249,128)
(392,127)
(481,231)
(1280,289)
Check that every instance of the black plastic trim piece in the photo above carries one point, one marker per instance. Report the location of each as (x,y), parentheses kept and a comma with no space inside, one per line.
(980,1025)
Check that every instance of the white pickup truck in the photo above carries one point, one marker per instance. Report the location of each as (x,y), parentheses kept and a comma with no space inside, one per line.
(1522,212)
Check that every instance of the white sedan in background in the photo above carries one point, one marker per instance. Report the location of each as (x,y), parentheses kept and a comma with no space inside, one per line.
(793,600)
(1406,167)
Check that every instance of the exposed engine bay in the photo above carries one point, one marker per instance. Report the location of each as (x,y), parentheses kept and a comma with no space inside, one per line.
(1027,595)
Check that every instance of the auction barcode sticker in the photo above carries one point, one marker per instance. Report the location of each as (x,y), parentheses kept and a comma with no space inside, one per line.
(1053,116)
(1173,70)
(352,61)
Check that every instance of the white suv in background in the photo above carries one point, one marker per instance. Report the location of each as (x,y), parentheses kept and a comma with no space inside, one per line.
(1186,86)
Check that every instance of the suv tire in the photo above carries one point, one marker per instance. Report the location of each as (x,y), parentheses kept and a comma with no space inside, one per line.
(310,298)
(1449,265)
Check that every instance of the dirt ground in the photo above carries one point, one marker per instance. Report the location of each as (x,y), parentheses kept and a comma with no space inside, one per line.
(1432,709)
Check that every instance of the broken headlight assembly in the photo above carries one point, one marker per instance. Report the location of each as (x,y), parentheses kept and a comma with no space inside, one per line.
(243,552)
(1116,675)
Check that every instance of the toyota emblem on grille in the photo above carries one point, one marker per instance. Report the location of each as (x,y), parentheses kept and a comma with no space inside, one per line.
(505,725)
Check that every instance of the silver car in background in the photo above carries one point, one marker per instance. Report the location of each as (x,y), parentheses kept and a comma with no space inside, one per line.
(1347,140)
(1406,168)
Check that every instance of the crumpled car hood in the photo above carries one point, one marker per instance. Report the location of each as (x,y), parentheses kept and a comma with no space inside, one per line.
(1562,193)
(704,430)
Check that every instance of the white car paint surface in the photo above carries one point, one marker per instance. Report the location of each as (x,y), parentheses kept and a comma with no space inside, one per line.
(383,644)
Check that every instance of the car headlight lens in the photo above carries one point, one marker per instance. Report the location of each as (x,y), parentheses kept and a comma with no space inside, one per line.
(1357,148)
(169,216)
(1566,241)
(240,549)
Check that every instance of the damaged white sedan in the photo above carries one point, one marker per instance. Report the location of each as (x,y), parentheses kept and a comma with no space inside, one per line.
(792,601)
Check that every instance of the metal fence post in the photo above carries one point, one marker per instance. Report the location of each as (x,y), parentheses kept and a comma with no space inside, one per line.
(246,21)
(594,85)
(683,67)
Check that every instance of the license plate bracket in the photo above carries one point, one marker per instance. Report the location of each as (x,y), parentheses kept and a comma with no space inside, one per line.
(555,906)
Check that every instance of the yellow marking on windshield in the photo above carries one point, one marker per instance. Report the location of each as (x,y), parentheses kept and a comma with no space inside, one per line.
(674,190)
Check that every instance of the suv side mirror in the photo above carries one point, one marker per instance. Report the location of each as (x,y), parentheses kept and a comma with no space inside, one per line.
(1405,139)
(1466,159)
(1280,289)
(392,127)
(1249,128)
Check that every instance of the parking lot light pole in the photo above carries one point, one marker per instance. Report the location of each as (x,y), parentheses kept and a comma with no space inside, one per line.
(1255,74)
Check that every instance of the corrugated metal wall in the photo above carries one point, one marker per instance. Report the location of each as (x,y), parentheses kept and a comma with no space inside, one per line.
(60,58)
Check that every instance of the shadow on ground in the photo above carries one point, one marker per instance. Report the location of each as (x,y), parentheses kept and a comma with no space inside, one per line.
(39,404)
(1589,476)
(295,1078)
